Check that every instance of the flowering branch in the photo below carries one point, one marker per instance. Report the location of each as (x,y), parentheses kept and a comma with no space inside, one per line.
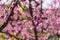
(31,13)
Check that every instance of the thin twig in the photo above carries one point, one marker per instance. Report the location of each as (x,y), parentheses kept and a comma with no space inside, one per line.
(31,13)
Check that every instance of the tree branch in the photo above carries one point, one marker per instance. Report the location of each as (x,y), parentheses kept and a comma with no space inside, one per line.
(5,23)
(31,13)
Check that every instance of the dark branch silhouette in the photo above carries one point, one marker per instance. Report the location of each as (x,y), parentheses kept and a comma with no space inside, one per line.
(41,10)
(5,23)
(31,13)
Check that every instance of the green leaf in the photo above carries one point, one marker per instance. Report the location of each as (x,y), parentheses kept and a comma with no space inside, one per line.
(7,5)
(3,38)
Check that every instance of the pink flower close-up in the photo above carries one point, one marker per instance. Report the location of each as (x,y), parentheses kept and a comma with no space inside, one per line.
(29,19)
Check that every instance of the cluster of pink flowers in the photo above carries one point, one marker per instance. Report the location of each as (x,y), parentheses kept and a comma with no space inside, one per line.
(20,23)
